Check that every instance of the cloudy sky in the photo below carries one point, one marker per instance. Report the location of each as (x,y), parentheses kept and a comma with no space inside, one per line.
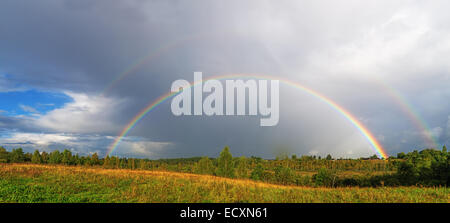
(61,82)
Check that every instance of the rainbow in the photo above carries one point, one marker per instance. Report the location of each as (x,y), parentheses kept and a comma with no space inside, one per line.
(149,57)
(135,66)
(408,109)
(353,120)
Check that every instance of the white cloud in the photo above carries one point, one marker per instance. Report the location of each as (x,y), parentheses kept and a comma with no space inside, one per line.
(313,152)
(7,85)
(28,108)
(394,49)
(143,147)
(38,140)
(85,114)
(83,144)
(76,126)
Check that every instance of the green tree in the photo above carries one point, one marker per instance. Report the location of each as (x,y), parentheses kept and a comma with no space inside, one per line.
(44,157)
(428,167)
(3,155)
(329,157)
(142,164)
(27,157)
(204,166)
(225,166)
(107,162)
(76,160)
(241,167)
(66,157)
(401,155)
(17,156)
(55,157)
(407,173)
(325,177)
(257,173)
(444,149)
(36,158)
(94,159)
(284,175)
(123,163)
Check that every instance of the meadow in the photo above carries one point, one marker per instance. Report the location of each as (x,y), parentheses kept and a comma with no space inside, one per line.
(26,182)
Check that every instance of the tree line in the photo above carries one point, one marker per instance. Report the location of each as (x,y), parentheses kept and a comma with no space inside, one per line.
(427,167)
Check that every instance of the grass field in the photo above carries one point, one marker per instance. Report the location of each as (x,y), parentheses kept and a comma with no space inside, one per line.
(46,183)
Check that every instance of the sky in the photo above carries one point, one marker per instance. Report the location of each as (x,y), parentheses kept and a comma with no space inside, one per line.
(73,74)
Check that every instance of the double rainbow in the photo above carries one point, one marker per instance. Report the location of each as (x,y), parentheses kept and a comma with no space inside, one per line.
(412,113)
(406,107)
(352,119)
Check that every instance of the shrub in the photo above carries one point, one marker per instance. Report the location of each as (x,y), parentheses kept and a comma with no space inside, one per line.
(324,177)
(257,173)
(284,175)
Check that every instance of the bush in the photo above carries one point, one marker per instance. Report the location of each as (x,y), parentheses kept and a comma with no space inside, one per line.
(204,166)
(324,177)
(257,173)
(304,181)
(428,167)
(284,175)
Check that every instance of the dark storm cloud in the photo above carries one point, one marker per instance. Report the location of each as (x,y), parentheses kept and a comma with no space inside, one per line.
(339,49)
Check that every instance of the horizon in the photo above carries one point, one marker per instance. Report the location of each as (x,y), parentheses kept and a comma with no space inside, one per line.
(280,156)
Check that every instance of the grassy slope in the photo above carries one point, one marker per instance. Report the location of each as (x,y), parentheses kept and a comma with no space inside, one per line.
(45,183)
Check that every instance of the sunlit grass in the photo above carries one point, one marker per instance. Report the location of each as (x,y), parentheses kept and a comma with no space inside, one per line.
(46,183)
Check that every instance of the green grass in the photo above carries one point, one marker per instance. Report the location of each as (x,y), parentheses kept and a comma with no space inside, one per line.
(45,183)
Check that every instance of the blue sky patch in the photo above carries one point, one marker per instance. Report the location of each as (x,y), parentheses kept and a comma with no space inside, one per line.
(31,102)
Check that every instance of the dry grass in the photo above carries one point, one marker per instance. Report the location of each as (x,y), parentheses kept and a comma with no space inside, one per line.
(47,183)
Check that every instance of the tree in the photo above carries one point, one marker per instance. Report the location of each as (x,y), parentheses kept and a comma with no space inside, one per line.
(3,155)
(66,157)
(407,173)
(225,166)
(17,156)
(27,157)
(94,159)
(401,155)
(204,166)
(257,173)
(284,175)
(428,167)
(329,157)
(131,164)
(241,167)
(142,164)
(36,158)
(325,177)
(444,149)
(44,157)
(123,163)
(77,160)
(107,161)
(55,157)
(114,162)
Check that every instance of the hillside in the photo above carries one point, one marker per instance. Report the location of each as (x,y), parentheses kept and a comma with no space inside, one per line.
(56,183)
